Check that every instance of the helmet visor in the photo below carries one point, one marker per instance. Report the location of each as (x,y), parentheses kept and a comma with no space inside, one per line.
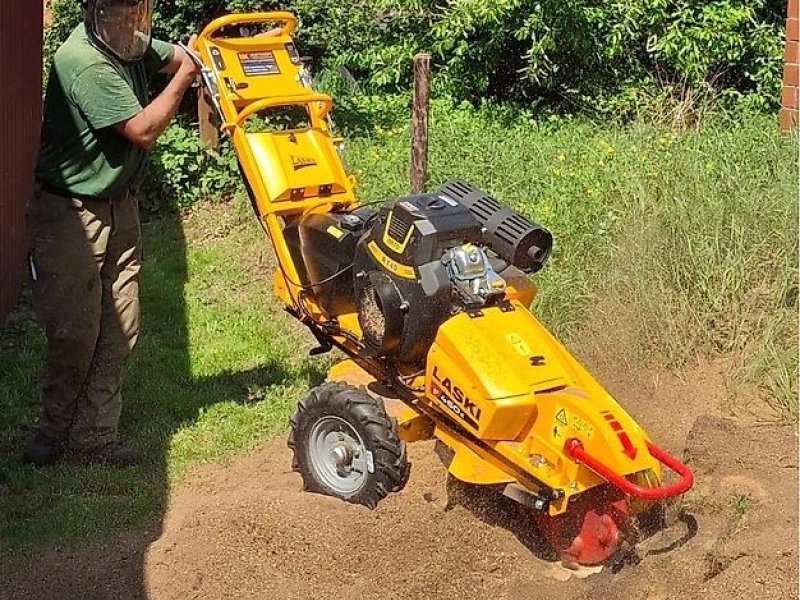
(123,26)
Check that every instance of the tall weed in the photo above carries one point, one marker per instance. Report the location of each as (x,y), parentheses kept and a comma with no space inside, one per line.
(687,240)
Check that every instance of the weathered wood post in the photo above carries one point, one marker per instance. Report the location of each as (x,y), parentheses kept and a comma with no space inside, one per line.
(419,124)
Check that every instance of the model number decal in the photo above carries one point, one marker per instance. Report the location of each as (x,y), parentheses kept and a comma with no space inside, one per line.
(390,265)
(454,408)
(455,399)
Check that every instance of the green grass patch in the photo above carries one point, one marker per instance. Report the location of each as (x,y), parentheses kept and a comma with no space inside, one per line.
(218,368)
(683,242)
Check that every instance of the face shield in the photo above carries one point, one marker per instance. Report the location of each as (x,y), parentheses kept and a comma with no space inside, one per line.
(122,26)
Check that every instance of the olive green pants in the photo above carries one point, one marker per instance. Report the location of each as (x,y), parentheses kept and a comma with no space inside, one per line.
(84,262)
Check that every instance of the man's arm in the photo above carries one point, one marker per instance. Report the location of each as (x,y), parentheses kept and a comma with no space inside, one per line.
(178,55)
(144,127)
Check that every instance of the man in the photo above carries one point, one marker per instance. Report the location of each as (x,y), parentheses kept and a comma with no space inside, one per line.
(83,222)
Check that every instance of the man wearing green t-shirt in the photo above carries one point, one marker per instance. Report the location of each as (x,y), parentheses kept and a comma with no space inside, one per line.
(83,222)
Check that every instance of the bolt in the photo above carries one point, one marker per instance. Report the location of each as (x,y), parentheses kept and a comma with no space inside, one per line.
(538,460)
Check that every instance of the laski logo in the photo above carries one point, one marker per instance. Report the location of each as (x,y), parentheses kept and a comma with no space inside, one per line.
(298,162)
(454,398)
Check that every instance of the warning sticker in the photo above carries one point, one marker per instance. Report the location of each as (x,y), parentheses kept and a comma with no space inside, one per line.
(519,344)
(335,232)
(582,426)
(564,422)
(560,423)
(259,63)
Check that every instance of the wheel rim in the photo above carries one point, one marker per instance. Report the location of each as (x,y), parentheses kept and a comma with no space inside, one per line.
(339,456)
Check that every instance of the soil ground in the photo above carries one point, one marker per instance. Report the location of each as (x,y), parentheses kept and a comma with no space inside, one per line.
(246,529)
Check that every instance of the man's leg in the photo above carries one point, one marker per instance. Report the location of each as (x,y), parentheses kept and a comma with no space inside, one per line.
(67,249)
(93,435)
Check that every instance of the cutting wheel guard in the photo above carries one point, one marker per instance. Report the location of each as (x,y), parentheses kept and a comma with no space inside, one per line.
(574,449)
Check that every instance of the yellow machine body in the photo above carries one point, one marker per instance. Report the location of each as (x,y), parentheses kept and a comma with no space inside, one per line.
(500,391)
(506,378)
(290,171)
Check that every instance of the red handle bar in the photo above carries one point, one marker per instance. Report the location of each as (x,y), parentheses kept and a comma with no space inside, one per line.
(574,449)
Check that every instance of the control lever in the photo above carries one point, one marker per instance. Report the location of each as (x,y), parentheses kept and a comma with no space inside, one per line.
(207,77)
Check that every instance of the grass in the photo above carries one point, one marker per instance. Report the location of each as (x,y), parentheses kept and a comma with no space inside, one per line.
(217,369)
(683,242)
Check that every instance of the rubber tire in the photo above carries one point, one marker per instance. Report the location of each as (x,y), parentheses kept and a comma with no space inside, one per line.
(378,431)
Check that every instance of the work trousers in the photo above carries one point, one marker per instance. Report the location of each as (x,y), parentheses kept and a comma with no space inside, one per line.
(85,257)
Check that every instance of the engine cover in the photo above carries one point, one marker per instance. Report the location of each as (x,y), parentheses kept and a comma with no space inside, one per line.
(403,290)
(322,248)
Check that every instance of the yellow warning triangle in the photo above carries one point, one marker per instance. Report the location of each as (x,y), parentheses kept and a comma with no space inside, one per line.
(561,416)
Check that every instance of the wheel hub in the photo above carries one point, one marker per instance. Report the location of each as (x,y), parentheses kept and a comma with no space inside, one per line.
(342,455)
(338,455)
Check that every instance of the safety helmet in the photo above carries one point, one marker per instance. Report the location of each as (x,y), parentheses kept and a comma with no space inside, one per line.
(120,27)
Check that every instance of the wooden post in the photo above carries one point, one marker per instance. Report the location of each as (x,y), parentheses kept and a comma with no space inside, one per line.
(419,124)
(209,133)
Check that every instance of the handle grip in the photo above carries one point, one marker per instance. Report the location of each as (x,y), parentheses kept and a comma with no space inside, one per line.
(264,103)
(574,449)
(290,22)
(193,55)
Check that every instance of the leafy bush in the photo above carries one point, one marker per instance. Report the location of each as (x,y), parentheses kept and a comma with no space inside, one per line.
(64,16)
(183,171)
(620,58)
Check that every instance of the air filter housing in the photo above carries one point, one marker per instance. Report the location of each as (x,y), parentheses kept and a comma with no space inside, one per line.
(520,242)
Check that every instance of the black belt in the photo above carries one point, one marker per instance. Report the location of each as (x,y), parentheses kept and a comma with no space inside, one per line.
(50,188)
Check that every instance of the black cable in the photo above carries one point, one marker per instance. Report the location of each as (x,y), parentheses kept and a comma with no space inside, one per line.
(306,287)
(311,286)
(371,203)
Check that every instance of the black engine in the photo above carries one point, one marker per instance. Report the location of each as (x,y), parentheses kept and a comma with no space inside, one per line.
(423,259)
(416,262)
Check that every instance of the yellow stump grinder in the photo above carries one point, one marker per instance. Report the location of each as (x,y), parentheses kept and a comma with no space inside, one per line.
(428,297)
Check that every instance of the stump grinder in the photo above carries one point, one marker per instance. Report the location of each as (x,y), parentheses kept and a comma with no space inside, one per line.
(428,297)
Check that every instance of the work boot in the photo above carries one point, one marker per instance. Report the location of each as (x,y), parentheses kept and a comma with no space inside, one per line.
(112,454)
(41,450)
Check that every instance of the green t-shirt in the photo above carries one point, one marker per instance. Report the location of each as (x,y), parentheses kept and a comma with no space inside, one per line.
(87,94)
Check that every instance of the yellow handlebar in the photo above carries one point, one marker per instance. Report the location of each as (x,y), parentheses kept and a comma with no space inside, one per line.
(264,103)
(240,19)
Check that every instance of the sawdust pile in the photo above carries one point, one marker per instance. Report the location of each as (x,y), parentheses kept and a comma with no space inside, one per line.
(247,530)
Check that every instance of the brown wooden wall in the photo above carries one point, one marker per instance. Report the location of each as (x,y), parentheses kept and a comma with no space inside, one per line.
(20,121)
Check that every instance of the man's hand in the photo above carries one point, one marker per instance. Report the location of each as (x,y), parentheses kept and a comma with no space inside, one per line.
(192,45)
(178,56)
(271,33)
(188,67)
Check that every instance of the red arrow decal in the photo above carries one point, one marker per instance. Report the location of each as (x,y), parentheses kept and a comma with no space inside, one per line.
(627,447)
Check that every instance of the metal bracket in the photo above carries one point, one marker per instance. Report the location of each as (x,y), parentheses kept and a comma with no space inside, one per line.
(526,497)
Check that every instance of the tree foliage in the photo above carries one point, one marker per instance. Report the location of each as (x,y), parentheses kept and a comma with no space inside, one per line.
(568,56)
